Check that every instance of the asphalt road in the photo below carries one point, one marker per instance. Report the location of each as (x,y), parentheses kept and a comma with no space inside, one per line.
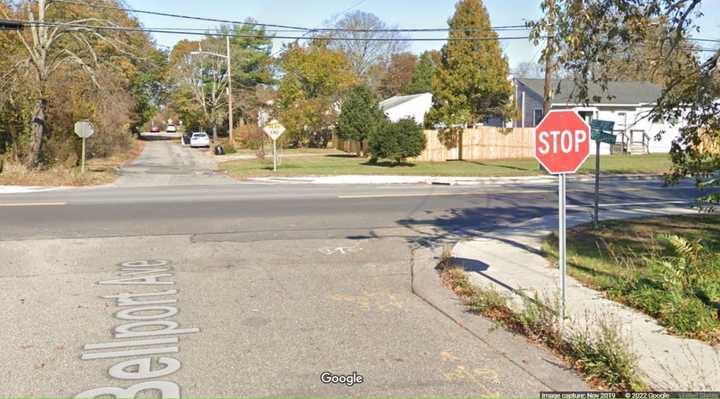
(271,285)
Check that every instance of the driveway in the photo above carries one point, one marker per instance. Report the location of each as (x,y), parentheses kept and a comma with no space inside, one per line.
(164,162)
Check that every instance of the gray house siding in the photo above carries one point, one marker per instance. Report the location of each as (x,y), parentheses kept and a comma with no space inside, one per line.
(533,102)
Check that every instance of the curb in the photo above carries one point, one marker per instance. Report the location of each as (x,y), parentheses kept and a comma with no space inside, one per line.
(442,181)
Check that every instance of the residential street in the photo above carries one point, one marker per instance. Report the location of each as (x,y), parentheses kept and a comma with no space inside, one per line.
(283,282)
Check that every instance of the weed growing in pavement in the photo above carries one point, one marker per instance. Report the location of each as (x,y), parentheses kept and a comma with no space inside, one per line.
(604,357)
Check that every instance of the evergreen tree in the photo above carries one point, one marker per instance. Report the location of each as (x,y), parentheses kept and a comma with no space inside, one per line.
(471,82)
(360,116)
(421,81)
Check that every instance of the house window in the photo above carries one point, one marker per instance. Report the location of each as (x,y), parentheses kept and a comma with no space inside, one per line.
(537,116)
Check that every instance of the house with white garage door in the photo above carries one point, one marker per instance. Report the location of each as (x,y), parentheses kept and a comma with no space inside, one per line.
(627,103)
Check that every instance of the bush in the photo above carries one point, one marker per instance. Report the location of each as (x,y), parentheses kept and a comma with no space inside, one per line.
(251,136)
(397,141)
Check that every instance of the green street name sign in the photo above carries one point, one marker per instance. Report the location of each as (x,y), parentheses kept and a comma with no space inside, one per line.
(601,131)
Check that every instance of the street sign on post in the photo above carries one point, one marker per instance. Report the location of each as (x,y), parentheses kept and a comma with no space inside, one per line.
(562,144)
(84,129)
(601,133)
(274,129)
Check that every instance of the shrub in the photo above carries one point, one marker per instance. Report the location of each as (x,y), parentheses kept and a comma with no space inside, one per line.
(251,136)
(397,141)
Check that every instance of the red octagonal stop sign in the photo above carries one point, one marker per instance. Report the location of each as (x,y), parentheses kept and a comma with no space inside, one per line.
(562,141)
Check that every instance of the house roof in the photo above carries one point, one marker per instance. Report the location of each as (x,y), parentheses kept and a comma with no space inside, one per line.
(393,102)
(618,92)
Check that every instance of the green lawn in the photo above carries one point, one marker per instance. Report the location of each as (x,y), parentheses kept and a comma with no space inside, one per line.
(631,263)
(347,165)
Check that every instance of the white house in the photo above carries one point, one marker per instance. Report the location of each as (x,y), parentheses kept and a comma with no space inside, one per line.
(414,106)
(627,103)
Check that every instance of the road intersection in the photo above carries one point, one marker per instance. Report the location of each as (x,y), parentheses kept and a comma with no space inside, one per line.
(270,285)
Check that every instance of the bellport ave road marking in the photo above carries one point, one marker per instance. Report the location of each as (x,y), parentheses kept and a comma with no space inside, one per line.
(21,204)
(147,332)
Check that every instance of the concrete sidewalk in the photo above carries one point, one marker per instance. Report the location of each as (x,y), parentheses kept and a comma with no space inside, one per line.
(510,260)
(25,189)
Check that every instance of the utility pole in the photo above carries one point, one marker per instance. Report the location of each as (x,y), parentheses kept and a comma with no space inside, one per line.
(230,96)
(549,54)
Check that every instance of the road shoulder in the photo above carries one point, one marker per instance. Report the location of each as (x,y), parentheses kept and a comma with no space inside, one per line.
(538,362)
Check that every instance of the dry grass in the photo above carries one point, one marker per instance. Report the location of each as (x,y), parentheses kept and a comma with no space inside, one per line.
(630,262)
(98,171)
(604,357)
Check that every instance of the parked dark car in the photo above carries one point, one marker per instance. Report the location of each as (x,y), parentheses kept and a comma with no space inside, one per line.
(155,129)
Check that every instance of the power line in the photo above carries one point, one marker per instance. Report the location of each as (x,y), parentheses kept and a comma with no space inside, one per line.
(164,14)
(257,36)
(293,28)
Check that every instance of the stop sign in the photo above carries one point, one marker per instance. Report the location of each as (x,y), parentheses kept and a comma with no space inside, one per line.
(562,141)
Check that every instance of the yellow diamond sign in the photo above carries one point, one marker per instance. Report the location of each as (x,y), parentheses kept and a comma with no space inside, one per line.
(274,129)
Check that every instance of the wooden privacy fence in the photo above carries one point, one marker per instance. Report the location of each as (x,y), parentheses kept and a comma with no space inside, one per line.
(480,143)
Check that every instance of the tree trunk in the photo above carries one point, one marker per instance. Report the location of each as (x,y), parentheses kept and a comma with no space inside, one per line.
(214,133)
(38,132)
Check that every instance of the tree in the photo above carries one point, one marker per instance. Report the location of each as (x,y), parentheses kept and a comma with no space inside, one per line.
(360,116)
(56,73)
(314,79)
(647,60)
(365,40)
(50,47)
(590,35)
(421,81)
(399,73)
(471,82)
(397,141)
(204,77)
(252,68)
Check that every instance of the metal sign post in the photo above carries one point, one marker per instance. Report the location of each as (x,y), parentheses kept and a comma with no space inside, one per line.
(274,155)
(562,225)
(84,129)
(274,129)
(601,132)
(562,144)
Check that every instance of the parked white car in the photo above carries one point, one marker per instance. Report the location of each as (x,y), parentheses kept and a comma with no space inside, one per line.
(170,129)
(199,139)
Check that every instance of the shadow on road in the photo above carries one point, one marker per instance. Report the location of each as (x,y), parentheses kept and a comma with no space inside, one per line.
(159,136)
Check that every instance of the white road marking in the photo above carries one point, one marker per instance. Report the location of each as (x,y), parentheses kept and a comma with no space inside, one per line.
(21,204)
(361,196)
(339,250)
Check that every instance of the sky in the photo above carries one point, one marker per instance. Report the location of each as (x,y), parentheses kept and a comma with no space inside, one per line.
(400,13)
